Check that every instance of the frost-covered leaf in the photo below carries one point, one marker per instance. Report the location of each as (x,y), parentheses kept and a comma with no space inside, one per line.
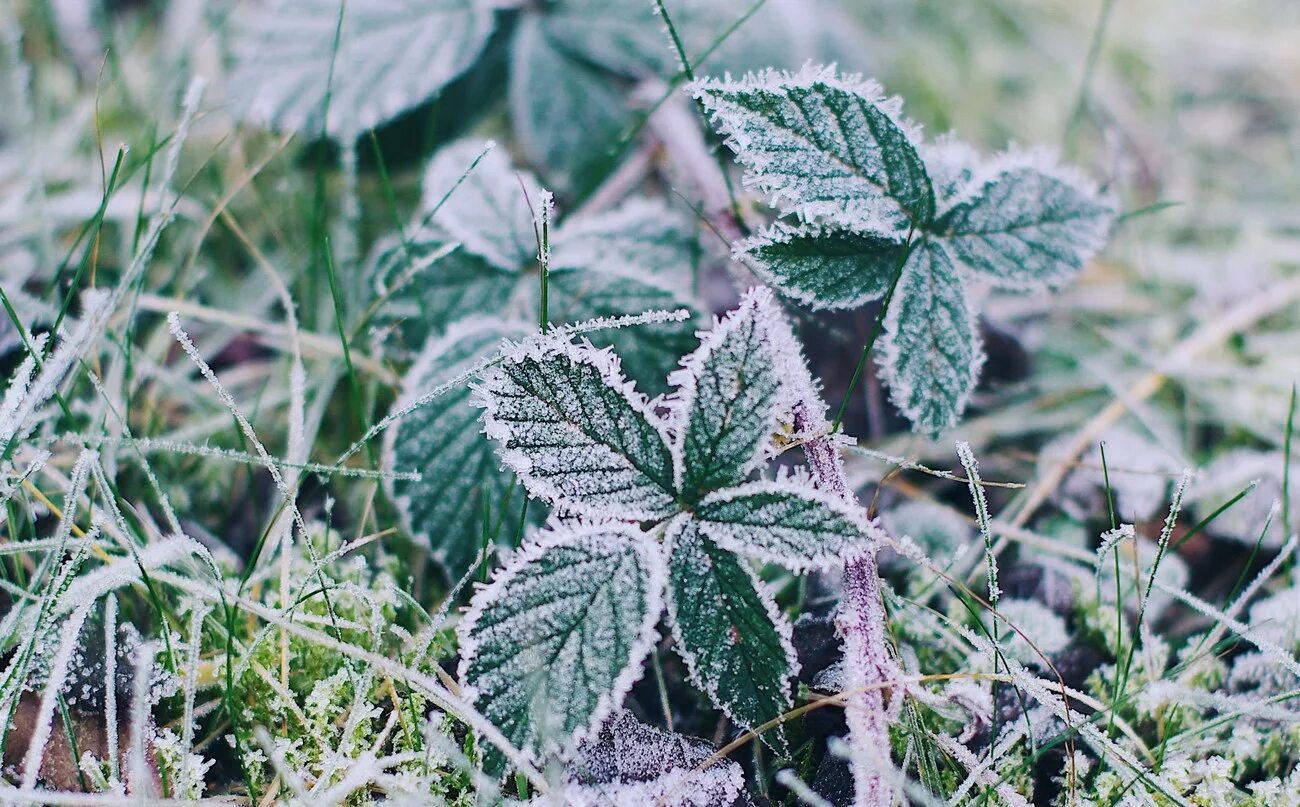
(567,113)
(631,763)
(932,353)
(824,268)
(391,56)
(824,147)
(952,164)
(640,234)
(623,38)
(1025,222)
(735,641)
(486,207)
(423,293)
(646,352)
(462,491)
(727,391)
(553,644)
(793,525)
(576,432)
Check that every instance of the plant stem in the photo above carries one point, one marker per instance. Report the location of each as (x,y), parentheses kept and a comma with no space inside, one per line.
(874,335)
(862,626)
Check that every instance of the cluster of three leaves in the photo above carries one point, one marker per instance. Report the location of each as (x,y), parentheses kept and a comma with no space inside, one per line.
(872,212)
(555,641)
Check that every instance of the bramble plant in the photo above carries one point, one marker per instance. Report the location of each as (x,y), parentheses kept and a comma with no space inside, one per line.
(868,211)
(558,638)
(579,402)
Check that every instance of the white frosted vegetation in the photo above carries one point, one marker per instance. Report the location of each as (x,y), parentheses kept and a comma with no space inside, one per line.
(459,473)
(582,438)
(473,247)
(557,639)
(863,220)
(576,432)
(313,65)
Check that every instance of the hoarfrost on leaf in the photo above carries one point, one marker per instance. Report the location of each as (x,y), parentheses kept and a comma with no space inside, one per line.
(932,351)
(631,763)
(735,641)
(860,193)
(824,268)
(483,203)
(794,525)
(611,264)
(1025,222)
(645,351)
(553,644)
(952,164)
(824,147)
(640,234)
(460,475)
(727,391)
(576,432)
(391,56)
(426,287)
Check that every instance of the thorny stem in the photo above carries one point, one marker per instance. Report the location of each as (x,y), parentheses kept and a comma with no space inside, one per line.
(862,626)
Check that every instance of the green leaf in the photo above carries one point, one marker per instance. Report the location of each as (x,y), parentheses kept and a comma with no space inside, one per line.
(554,643)
(735,641)
(727,395)
(790,524)
(391,56)
(461,479)
(1026,223)
(423,294)
(639,235)
(567,113)
(623,38)
(576,433)
(646,352)
(824,148)
(932,352)
(486,206)
(824,268)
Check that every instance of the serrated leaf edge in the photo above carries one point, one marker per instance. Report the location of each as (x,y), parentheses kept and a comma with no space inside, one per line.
(784,629)
(781,232)
(581,534)
(708,90)
(825,560)
(1042,160)
(542,347)
(889,349)
(411,392)
(757,303)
